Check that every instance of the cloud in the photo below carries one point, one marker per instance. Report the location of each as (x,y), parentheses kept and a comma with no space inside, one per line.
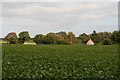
(56,16)
(60,0)
(85,10)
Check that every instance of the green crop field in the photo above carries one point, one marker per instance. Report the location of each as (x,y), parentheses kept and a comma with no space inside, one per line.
(60,61)
(2,41)
(26,43)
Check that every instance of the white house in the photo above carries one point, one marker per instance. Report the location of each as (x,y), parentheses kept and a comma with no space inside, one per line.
(90,42)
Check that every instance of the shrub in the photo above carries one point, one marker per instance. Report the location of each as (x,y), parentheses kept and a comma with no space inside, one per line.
(107,41)
(61,42)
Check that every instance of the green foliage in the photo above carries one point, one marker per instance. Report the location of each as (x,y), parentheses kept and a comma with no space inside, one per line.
(11,38)
(61,42)
(64,38)
(63,34)
(50,38)
(75,40)
(60,61)
(61,39)
(84,38)
(38,39)
(71,34)
(94,36)
(107,41)
(116,36)
(70,38)
(23,36)
(103,35)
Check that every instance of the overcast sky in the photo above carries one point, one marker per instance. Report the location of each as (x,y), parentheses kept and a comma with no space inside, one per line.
(45,17)
(59,0)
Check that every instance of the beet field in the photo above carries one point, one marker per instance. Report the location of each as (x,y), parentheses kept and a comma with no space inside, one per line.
(60,61)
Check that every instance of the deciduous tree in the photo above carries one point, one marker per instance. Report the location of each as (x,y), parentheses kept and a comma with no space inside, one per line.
(95,37)
(61,39)
(23,36)
(38,39)
(84,37)
(70,38)
(63,34)
(50,38)
(11,38)
(116,36)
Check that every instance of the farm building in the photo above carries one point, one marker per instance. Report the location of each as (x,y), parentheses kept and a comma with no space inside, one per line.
(90,42)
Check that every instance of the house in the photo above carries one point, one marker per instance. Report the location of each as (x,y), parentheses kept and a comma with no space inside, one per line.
(90,42)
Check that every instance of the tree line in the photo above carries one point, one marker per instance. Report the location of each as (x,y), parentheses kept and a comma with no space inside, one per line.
(106,38)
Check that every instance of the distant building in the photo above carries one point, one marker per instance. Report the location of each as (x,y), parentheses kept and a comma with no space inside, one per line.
(90,42)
